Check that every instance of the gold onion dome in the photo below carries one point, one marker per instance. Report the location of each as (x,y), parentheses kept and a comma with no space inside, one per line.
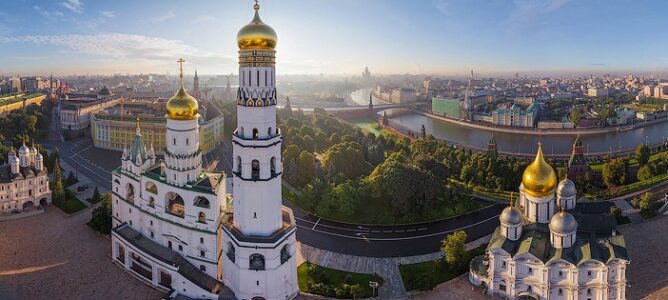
(539,178)
(182,106)
(257,35)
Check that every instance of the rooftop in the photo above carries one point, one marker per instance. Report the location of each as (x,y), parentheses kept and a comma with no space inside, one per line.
(595,240)
(166,255)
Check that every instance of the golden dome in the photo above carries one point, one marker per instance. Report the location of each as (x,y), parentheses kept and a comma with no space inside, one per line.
(182,106)
(539,178)
(257,35)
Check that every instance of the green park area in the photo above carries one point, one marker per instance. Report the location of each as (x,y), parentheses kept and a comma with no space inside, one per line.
(427,275)
(315,279)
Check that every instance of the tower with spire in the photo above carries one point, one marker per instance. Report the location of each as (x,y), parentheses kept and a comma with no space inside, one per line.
(196,91)
(167,213)
(259,240)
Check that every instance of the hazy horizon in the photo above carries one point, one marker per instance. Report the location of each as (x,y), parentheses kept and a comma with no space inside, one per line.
(430,37)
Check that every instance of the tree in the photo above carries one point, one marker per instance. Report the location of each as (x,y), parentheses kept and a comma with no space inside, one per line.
(645,202)
(96,196)
(453,248)
(575,116)
(642,154)
(305,168)
(58,194)
(644,173)
(57,172)
(101,219)
(615,172)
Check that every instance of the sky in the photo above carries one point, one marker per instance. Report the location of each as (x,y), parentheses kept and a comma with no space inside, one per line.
(66,37)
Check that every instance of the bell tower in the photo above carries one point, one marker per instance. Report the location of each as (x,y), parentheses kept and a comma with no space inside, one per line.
(259,240)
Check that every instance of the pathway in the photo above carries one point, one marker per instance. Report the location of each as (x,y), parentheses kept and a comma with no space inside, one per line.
(627,210)
(388,268)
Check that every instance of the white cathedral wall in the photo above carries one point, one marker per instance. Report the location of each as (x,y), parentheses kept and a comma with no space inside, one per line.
(13,195)
(277,281)
(259,214)
(261,118)
(191,235)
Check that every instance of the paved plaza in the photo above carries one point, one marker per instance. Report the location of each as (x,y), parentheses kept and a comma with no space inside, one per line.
(647,274)
(53,256)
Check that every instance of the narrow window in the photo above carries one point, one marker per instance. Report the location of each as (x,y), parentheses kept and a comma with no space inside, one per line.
(187,141)
(255,169)
(174,141)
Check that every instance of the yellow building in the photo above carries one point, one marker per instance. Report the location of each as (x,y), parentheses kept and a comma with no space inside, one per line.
(114,128)
(20,101)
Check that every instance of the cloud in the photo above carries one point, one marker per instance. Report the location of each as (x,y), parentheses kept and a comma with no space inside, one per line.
(108,13)
(527,12)
(169,15)
(73,5)
(119,46)
(51,15)
(204,19)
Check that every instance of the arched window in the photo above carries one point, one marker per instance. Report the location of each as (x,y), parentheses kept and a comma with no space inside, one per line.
(201,217)
(241,132)
(175,205)
(269,132)
(151,188)
(231,252)
(258,78)
(201,202)
(130,195)
(285,254)
(255,169)
(239,165)
(151,202)
(256,262)
(256,134)
(272,166)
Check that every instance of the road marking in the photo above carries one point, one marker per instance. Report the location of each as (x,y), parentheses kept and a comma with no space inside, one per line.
(424,228)
(316,223)
(410,230)
(402,238)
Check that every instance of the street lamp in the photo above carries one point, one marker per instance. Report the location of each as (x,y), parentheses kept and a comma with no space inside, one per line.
(373,285)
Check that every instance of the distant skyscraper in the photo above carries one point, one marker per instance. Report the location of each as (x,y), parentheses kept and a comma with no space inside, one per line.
(366,75)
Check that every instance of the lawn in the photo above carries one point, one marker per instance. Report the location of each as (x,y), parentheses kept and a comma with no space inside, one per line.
(368,126)
(315,279)
(287,194)
(71,205)
(427,275)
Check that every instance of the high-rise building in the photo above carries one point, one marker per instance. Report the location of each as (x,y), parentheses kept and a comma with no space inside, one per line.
(259,240)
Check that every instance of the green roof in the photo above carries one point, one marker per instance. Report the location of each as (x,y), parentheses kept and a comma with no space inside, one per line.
(592,242)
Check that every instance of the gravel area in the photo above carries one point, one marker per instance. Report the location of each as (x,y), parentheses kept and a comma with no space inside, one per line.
(53,256)
(648,249)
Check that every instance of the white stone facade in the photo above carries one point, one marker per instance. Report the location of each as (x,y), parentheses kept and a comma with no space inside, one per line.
(24,181)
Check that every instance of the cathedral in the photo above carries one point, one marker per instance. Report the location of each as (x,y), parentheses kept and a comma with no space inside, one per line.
(547,248)
(24,181)
(203,235)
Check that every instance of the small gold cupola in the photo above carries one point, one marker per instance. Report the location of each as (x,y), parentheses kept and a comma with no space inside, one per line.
(257,35)
(182,106)
(539,178)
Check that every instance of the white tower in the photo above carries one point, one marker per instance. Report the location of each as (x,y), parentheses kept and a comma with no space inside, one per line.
(183,157)
(260,241)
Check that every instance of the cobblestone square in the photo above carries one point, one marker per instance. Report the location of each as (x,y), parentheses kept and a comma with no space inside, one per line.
(53,256)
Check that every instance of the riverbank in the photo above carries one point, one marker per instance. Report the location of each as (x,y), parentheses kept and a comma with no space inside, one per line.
(541,131)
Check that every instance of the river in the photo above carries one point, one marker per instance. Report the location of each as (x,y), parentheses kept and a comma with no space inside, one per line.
(516,142)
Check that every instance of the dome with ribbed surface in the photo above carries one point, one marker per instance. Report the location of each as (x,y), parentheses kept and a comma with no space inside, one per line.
(511,216)
(566,188)
(563,223)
